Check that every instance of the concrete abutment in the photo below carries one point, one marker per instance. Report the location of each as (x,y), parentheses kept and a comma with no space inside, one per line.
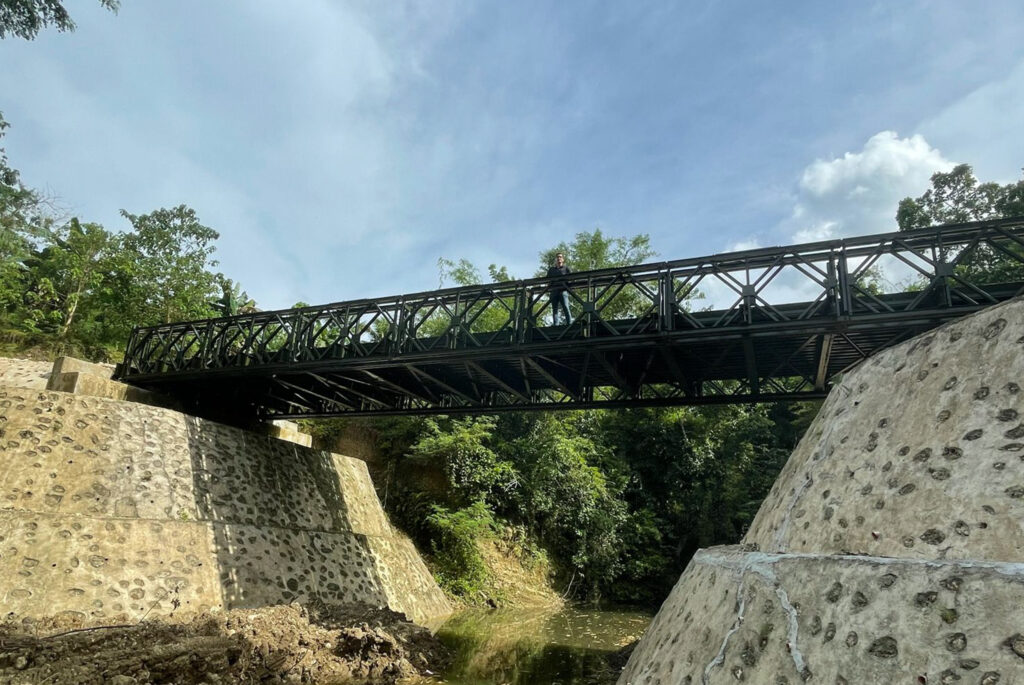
(891,547)
(109,507)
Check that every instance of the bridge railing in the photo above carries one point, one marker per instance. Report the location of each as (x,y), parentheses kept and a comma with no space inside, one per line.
(943,266)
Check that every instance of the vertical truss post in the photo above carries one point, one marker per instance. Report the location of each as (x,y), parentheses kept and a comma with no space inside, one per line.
(291,339)
(590,309)
(824,352)
(751,360)
(749,294)
(131,355)
(204,347)
(943,274)
(831,282)
(455,325)
(844,308)
(401,322)
(520,313)
(666,302)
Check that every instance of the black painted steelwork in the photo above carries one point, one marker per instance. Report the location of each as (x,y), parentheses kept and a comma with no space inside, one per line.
(799,315)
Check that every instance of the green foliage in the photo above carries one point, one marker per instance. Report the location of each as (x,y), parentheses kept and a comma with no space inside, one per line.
(957,197)
(692,477)
(459,273)
(25,18)
(72,265)
(565,498)
(459,566)
(592,250)
(617,500)
(167,255)
(22,221)
(76,288)
(498,274)
(234,301)
(473,470)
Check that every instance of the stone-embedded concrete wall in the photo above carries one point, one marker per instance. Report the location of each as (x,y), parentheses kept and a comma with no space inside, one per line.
(23,373)
(109,507)
(891,547)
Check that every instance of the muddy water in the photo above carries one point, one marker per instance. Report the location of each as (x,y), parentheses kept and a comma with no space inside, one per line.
(565,646)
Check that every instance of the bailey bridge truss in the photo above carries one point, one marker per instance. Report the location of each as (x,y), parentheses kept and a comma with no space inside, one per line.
(777,323)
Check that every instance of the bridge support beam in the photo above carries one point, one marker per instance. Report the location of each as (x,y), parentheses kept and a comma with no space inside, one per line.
(824,351)
(751,361)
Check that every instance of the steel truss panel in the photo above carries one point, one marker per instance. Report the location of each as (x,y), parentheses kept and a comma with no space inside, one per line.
(637,340)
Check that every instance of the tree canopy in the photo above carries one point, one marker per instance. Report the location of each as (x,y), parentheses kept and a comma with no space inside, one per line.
(75,286)
(25,18)
(956,196)
(593,250)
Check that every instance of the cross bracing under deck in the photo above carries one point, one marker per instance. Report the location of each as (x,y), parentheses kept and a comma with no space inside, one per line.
(778,323)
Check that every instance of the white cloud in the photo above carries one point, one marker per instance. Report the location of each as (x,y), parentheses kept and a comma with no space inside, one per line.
(745,244)
(858,193)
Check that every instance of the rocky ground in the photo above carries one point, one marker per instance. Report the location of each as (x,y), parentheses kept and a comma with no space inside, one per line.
(278,644)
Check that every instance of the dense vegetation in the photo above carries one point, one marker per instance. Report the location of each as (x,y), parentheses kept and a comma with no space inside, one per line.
(614,502)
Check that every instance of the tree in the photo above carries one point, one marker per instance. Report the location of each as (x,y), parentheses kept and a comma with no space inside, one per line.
(72,266)
(234,301)
(957,197)
(18,209)
(25,18)
(459,448)
(22,222)
(592,250)
(459,273)
(566,501)
(164,267)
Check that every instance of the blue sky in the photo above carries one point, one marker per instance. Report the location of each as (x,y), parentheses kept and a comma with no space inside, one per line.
(341,148)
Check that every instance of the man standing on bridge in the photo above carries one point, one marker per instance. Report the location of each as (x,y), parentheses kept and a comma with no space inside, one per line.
(558,294)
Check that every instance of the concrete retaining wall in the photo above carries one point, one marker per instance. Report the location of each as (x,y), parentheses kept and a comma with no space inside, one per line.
(110,507)
(24,373)
(890,548)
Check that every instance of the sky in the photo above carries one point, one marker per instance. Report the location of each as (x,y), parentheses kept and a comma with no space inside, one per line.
(341,148)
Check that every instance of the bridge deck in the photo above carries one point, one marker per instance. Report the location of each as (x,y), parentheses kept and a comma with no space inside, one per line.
(794,317)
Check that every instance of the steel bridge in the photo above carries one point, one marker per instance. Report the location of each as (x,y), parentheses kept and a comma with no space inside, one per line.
(778,323)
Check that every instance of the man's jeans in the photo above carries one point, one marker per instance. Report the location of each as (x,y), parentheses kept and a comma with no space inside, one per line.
(560,301)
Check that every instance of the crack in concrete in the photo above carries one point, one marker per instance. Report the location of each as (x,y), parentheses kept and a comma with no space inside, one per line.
(794,629)
(757,560)
(780,533)
(755,563)
(720,657)
(824,442)
(763,563)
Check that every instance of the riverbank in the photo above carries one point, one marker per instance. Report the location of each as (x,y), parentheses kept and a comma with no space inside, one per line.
(277,644)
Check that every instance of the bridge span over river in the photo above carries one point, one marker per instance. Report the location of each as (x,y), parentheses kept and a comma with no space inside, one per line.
(778,323)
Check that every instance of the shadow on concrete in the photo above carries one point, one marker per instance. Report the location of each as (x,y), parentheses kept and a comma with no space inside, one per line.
(280,521)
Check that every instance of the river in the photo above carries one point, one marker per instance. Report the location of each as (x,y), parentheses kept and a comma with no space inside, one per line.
(563,646)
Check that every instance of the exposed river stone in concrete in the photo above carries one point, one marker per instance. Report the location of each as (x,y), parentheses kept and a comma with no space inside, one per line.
(23,373)
(786,618)
(890,548)
(111,507)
